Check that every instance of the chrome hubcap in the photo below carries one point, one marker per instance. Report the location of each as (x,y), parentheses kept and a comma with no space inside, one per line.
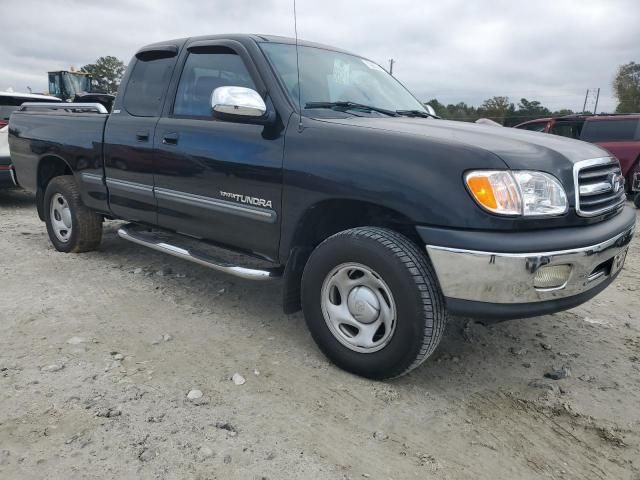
(60,217)
(358,307)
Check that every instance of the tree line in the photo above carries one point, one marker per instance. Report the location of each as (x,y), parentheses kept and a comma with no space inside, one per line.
(626,87)
(499,109)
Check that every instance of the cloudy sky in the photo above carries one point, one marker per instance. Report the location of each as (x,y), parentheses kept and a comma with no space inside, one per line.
(453,50)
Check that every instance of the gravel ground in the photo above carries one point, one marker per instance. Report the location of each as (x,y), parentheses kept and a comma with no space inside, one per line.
(119,364)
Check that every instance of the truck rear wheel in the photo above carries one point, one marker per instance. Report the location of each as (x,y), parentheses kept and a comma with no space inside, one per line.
(372,302)
(72,227)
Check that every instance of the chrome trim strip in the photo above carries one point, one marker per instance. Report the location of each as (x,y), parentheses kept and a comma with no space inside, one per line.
(223,206)
(68,107)
(595,188)
(91,178)
(128,232)
(508,278)
(587,250)
(592,162)
(131,187)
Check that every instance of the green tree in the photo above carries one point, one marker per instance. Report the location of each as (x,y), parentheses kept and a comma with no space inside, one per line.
(626,86)
(496,108)
(440,109)
(107,73)
(562,112)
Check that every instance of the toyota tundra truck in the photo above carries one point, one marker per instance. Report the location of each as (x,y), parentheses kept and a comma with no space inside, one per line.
(321,169)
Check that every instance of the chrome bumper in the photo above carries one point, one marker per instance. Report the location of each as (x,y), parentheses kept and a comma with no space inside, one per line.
(508,278)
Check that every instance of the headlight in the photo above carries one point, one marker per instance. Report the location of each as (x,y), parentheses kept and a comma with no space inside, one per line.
(519,192)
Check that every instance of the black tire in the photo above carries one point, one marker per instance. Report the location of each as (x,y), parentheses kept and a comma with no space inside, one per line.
(636,200)
(86,225)
(420,308)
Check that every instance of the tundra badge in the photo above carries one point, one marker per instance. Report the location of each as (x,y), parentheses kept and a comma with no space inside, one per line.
(258,202)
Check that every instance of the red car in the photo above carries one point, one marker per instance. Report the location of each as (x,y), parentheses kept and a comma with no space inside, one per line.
(619,134)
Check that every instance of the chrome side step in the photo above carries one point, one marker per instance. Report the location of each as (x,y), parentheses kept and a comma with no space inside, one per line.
(134,234)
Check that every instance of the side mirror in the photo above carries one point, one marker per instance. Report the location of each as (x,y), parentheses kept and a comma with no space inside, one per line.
(237,102)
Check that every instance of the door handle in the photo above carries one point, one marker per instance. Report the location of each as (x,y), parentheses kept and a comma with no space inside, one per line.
(142,136)
(170,139)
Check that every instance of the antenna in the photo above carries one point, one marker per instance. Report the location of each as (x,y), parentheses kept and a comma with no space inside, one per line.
(295,26)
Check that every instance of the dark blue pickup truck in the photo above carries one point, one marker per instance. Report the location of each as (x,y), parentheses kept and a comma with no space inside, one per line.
(380,219)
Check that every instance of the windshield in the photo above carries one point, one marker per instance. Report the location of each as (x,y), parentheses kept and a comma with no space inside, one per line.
(327,77)
(76,82)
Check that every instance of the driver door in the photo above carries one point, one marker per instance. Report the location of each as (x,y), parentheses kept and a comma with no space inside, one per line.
(215,179)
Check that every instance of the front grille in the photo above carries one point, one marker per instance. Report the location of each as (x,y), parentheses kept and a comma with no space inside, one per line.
(599,186)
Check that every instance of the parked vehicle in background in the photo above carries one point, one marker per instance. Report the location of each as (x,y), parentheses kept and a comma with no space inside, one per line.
(618,134)
(5,160)
(9,102)
(381,219)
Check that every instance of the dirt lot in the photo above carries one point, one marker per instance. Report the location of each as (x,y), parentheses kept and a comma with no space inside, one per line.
(99,351)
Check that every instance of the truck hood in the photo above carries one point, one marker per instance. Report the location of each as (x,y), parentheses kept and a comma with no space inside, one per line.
(518,149)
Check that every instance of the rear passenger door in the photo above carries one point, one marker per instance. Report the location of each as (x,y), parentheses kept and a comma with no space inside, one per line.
(129,134)
(216,179)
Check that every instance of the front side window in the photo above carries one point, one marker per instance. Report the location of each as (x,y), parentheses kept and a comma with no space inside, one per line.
(204,72)
(610,130)
(146,86)
(327,76)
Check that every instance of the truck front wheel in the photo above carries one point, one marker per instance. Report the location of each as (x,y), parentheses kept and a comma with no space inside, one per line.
(372,302)
(72,227)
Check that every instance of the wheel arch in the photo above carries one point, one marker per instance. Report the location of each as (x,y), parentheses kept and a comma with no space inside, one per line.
(49,167)
(323,219)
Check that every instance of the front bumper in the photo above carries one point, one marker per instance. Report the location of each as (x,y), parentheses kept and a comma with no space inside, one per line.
(502,285)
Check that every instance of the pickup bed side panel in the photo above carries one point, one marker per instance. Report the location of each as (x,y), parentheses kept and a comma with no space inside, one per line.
(76,139)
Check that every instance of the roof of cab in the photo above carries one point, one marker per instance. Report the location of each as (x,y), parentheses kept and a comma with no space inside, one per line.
(243,38)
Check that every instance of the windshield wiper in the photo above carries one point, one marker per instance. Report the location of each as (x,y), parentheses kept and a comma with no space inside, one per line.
(415,113)
(350,105)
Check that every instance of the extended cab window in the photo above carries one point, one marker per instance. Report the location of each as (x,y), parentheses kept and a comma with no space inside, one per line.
(610,130)
(148,81)
(203,72)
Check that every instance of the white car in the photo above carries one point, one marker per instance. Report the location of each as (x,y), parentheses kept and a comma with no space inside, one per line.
(10,101)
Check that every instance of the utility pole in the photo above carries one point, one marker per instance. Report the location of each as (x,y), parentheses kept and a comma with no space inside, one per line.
(391,62)
(591,98)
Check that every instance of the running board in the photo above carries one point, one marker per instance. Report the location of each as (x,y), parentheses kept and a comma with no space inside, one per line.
(134,234)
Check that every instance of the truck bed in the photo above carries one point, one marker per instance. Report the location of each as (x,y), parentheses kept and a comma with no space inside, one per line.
(41,133)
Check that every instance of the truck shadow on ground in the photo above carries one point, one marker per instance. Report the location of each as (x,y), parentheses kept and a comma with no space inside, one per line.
(472,354)
(15,198)
(483,391)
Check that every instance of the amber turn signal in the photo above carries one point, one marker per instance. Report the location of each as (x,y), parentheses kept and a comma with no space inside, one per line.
(495,191)
(482,191)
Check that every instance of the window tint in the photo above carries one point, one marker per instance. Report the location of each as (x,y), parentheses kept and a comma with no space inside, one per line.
(202,74)
(609,130)
(148,81)
(567,129)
